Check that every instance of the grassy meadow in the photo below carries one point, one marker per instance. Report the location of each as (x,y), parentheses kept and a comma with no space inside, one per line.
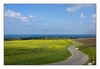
(90,51)
(88,47)
(36,52)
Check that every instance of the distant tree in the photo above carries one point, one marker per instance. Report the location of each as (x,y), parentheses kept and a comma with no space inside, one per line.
(8,39)
(71,37)
(28,38)
(75,37)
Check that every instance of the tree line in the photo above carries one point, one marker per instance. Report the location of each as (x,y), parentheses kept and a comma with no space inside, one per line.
(30,38)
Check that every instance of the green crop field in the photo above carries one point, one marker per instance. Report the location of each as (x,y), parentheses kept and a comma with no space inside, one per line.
(36,52)
(89,48)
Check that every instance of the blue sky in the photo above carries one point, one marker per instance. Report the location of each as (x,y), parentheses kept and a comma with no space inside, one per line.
(56,18)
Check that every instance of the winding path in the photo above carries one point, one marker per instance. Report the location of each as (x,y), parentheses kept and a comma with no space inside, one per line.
(77,58)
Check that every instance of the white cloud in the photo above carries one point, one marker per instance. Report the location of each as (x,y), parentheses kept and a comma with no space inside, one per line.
(33,20)
(58,23)
(74,8)
(93,16)
(32,16)
(80,23)
(82,16)
(92,26)
(93,20)
(42,17)
(17,15)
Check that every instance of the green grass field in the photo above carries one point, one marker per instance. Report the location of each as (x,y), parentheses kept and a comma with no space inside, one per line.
(90,51)
(36,52)
(89,48)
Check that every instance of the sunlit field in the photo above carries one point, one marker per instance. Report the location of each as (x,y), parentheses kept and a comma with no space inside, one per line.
(36,52)
(89,48)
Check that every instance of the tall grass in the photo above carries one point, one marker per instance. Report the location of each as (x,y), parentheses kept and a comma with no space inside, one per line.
(35,52)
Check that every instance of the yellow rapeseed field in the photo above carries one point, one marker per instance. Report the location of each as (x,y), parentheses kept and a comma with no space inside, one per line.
(33,52)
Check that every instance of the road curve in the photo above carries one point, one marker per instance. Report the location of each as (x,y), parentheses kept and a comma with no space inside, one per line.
(77,58)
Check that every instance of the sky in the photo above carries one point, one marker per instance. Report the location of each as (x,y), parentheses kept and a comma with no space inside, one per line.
(50,19)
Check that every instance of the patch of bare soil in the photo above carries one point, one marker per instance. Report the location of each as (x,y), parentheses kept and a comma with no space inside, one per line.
(86,40)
